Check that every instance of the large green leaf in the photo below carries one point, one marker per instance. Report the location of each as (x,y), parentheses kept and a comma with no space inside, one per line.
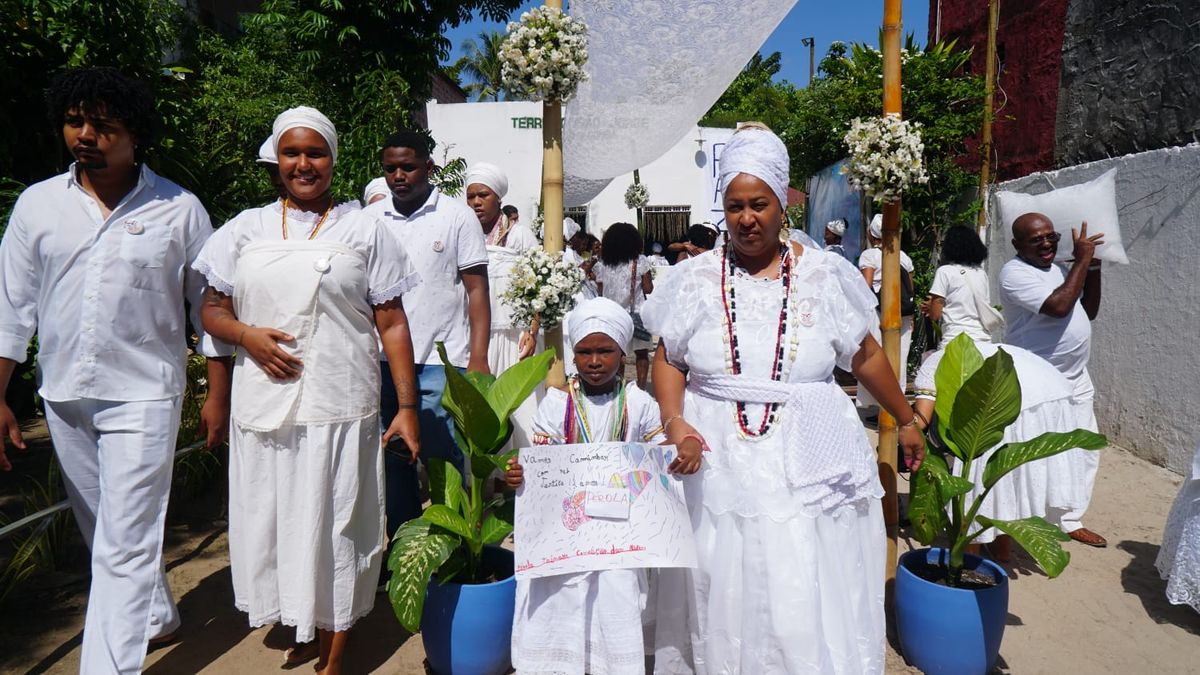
(986,404)
(515,385)
(950,487)
(473,415)
(445,484)
(926,509)
(454,565)
(1013,455)
(442,516)
(1038,538)
(417,550)
(495,529)
(959,362)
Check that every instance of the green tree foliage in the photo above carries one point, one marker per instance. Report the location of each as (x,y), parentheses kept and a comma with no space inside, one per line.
(754,95)
(936,90)
(481,64)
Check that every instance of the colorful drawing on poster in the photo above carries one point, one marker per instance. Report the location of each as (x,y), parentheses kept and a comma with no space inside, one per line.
(573,515)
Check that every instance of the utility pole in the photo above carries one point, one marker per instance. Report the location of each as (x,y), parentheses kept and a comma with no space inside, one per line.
(890,295)
(811,43)
(985,136)
(552,211)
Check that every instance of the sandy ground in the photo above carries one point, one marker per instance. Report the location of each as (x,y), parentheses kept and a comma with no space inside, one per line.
(1105,614)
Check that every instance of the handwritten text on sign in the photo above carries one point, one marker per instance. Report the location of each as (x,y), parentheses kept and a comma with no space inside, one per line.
(600,506)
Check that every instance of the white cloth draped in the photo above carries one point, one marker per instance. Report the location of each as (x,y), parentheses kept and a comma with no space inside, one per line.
(1179,557)
(653,70)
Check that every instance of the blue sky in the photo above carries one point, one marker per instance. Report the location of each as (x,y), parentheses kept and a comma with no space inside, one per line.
(848,21)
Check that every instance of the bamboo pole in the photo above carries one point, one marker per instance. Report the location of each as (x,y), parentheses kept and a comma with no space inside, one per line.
(985,136)
(890,295)
(552,212)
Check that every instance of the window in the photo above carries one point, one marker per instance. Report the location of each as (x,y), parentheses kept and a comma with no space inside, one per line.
(665,223)
(579,214)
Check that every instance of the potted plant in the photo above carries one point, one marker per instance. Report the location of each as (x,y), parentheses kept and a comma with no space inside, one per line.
(465,616)
(951,607)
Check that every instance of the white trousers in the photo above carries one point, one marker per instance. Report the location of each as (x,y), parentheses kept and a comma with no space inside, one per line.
(116,459)
(1086,462)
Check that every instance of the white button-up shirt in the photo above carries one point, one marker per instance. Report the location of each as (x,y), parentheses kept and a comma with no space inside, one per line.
(105,295)
(442,238)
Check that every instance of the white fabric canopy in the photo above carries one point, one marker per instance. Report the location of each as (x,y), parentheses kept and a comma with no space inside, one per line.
(655,67)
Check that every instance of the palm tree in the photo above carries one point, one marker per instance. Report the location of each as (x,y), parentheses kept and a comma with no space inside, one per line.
(482,65)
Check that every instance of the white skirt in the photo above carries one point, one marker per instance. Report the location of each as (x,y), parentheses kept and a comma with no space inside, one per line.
(580,623)
(1179,557)
(504,349)
(1057,482)
(800,596)
(306,523)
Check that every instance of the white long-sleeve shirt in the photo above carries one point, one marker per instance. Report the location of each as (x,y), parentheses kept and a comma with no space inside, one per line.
(105,295)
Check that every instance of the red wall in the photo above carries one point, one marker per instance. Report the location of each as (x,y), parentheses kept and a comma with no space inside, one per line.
(1029,42)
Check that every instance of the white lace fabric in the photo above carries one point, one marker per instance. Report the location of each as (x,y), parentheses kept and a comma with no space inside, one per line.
(1179,557)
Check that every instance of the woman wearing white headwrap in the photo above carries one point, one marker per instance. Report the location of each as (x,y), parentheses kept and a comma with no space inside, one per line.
(789,529)
(486,187)
(301,287)
(375,190)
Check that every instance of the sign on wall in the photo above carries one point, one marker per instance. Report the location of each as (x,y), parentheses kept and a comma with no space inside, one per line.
(600,506)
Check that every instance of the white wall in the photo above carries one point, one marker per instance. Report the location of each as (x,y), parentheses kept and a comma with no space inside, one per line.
(685,175)
(1146,341)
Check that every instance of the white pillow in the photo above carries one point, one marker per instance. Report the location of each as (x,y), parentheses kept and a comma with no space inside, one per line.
(1094,201)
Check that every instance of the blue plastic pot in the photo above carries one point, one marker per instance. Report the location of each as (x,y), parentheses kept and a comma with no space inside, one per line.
(467,629)
(945,630)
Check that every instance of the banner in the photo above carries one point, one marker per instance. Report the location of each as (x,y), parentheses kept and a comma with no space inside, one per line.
(600,506)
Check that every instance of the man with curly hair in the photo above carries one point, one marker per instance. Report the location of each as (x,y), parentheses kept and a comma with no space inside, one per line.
(97,261)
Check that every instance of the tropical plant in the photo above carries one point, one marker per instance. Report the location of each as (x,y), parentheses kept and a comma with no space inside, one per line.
(480,63)
(754,95)
(977,400)
(449,537)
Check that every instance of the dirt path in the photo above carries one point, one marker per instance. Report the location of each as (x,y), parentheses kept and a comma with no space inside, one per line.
(1105,614)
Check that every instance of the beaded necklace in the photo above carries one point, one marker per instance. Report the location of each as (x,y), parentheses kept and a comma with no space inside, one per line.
(315,230)
(577,428)
(733,364)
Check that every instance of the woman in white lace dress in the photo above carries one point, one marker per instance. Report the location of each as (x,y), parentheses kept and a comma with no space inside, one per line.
(623,276)
(785,507)
(1179,557)
(301,286)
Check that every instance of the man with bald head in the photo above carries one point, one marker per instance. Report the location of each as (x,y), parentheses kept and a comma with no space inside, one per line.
(1048,309)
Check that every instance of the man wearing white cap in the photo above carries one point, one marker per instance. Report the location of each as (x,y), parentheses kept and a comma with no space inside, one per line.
(486,187)
(871,265)
(452,306)
(834,230)
(96,261)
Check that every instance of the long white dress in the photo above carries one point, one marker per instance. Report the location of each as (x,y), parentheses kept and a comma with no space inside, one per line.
(1179,557)
(1046,405)
(590,622)
(789,528)
(505,340)
(306,521)
(623,285)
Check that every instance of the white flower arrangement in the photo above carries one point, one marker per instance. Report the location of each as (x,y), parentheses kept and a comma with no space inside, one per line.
(885,156)
(544,54)
(541,285)
(637,195)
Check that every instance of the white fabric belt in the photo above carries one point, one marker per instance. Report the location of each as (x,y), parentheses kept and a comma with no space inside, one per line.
(827,461)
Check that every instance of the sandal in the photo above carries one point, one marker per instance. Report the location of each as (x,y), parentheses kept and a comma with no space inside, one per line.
(1086,536)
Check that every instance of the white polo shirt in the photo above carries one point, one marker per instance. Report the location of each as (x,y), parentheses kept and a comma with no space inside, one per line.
(442,238)
(1065,342)
(105,295)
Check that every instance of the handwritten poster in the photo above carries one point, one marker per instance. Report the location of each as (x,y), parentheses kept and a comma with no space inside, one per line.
(600,506)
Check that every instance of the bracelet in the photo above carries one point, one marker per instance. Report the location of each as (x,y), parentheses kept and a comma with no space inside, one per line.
(408,406)
(921,417)
(910,423)
(670,419)
(703,446)
(240,336)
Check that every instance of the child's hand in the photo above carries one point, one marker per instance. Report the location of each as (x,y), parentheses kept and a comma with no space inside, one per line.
(689,446)
(514,476)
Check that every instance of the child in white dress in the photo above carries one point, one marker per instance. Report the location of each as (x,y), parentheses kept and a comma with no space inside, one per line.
(591,621)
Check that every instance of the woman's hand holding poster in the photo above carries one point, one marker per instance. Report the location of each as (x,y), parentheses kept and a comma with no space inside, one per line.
(600,506)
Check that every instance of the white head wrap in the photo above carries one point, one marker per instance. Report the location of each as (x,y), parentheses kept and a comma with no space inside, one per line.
(308,118)
(838,227)
(711,226)
(601,315)
(656,247)
(876,228)
(266,152)
(759,153)
(489,175)
(377,186)
(570,228)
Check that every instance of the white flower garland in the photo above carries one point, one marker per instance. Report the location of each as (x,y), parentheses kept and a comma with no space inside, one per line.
(544,54)
(637,195)
(885,156)
(541,285)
